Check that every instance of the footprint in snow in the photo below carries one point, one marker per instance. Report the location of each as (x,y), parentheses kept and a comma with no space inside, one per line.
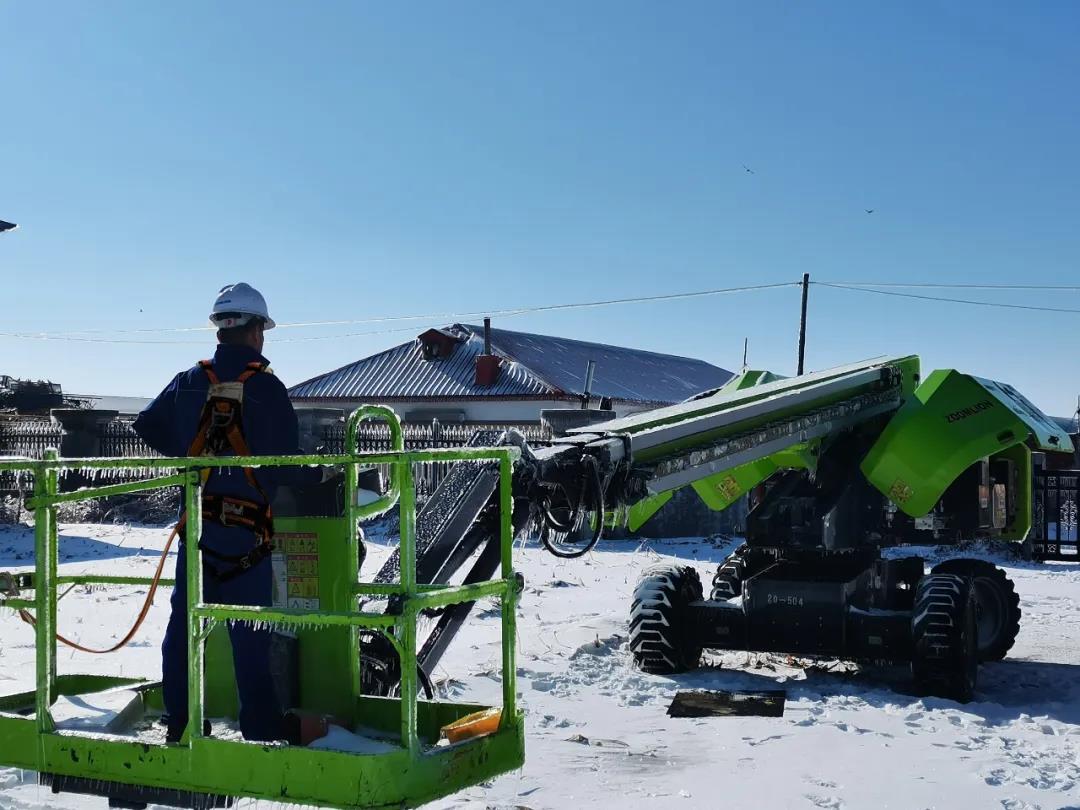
(1017,804)
(998,777)
(976,743)
(551,721)
(826,802)
(771,738)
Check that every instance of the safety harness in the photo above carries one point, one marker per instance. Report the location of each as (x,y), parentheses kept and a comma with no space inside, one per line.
(221,428)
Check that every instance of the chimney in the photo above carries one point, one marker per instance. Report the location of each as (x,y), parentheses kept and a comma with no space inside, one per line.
(487,364)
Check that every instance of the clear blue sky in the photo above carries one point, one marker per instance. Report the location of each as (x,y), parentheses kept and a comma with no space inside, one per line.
(355,160)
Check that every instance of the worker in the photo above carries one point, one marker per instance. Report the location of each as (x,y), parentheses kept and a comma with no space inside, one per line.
(231,405)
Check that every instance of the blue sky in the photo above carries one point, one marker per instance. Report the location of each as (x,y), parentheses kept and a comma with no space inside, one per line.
(355,160)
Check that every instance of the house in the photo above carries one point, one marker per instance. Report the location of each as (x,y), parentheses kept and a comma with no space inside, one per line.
(460,373)
(124,406)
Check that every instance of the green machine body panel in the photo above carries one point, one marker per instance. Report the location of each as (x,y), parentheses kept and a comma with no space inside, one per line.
(952,421)
(1020,525)
(748,378)
(722,490)
(760,402)
(779,399)
(308,557)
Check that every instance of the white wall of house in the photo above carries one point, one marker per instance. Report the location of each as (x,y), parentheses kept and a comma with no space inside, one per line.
(510,410)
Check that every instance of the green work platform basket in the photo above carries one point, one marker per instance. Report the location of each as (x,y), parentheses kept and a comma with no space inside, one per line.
(402,759)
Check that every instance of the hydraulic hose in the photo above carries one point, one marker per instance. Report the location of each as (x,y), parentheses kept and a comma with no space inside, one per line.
(598,506)
(29,618)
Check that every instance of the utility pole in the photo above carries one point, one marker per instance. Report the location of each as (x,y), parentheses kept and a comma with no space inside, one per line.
(802,322)
(745,349)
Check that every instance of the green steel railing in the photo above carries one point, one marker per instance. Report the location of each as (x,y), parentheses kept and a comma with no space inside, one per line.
(399,629)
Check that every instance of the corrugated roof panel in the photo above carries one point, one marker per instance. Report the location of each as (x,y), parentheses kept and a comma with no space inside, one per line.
(621,373)
(533,365)
(403,372)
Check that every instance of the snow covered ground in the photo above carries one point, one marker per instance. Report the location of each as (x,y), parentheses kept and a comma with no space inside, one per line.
(598,734)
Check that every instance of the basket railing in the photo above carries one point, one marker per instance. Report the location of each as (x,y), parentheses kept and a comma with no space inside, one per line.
(400,628)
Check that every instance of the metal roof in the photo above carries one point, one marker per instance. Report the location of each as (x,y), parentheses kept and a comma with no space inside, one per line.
(1068,423)
(533,366)
(104,402)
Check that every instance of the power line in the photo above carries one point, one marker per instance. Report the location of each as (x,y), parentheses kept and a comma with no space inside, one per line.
(79,335)
(935,285)
(943,299)
(62,337)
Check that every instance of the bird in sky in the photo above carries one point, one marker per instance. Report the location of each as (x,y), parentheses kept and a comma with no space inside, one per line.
(869,210)
(748,169)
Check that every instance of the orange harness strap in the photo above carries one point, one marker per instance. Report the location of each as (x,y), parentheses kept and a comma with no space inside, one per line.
(221,427)
(29,618)
(263,526)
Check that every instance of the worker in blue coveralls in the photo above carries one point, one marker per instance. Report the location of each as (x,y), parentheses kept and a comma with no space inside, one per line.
(192,417)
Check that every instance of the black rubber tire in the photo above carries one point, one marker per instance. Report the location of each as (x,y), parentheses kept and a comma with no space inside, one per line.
(728,580)
(945,659)
(997,605)
(661,637)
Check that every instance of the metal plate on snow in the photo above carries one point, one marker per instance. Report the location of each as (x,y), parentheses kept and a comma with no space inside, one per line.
(739,703)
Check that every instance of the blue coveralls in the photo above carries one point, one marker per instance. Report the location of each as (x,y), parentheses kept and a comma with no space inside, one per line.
(168,424)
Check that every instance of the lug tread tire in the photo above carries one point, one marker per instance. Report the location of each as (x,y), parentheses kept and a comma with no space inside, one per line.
(727,582)
(944,660)
(660,634)
(988,575)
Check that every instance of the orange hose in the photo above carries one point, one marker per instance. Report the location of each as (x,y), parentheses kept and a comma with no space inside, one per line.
(29,617)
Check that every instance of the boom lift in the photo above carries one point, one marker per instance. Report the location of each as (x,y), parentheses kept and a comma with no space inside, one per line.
(841,462)
(851,459)
(845,461)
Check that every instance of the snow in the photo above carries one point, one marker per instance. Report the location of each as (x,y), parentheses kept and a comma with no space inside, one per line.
(340,739)
(92,712)
(597,730)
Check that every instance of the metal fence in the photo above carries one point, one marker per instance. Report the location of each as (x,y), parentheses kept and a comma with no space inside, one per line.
(24,437)
(375,436)
(1054,532)
(31,436)
(28,437)
(118,439)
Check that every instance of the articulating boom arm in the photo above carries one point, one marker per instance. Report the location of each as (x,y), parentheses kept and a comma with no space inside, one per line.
(722,443)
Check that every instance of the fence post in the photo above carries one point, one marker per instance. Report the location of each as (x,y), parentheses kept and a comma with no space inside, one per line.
(81,438)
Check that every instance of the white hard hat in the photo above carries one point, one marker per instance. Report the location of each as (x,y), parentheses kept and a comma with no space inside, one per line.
(241,302)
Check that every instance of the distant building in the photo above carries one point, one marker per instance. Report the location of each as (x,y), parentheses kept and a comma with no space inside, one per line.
(448,374)
(29,396)
(124,406)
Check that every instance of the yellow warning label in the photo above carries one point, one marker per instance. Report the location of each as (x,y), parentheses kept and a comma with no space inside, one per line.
(296,569)
(728,487)
(296,542)
(899,492)
(302,565)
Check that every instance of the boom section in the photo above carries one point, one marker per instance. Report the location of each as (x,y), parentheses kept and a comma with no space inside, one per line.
(681,444)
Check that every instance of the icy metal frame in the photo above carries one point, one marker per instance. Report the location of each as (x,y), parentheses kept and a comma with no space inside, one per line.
(401,778)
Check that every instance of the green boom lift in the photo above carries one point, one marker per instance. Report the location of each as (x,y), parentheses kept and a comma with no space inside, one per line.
(841,462)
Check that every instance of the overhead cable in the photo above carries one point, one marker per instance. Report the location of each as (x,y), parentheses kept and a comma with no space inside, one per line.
(79,335)
(943,299)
